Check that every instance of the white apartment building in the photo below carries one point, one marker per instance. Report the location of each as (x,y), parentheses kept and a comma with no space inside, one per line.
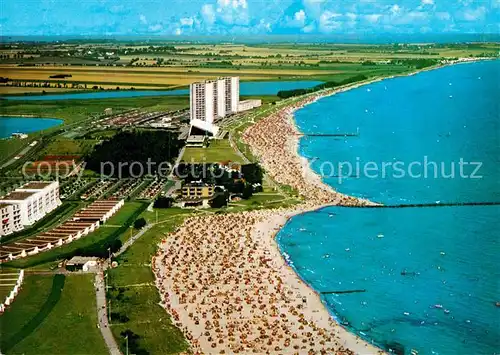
(212,99)
(30,203)
(7,214)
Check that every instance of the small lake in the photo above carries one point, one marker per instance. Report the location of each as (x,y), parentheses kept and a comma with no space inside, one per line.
(257,88)
(9,125)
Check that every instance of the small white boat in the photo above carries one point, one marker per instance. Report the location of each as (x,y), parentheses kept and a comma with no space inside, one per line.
(347,249)
(438,306)
(406,313)
(447,311)
(380,236)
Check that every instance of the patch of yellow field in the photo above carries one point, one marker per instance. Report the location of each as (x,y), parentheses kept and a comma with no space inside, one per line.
(21,90)
(108,75)
(172,70)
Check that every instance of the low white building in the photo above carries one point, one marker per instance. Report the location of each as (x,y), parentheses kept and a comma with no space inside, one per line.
(32,202)
(246,105)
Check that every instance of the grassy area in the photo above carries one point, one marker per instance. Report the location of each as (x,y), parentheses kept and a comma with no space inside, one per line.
(134,296)
(53,315)
(219,150)
(68,146)
(115,228)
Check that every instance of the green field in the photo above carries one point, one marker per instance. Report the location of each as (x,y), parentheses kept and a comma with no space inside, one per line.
(218,151)
(135,296)
(115,228)
(53,315)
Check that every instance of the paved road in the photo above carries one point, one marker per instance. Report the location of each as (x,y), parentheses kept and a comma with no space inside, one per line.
(22,153)
(132,240)
(102,314)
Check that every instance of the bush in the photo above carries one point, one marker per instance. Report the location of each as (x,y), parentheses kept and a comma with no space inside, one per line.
(163,202)
(247,192)
(139,223)
(219,201)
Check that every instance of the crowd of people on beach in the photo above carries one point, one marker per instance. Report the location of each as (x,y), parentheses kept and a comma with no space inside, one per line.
(274,140)
(223,280)
(229,294)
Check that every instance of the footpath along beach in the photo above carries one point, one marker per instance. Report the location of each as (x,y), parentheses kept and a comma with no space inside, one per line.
(223,279)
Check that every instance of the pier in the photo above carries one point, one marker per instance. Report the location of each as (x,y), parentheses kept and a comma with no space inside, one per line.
(341,292)
(443,204)
(356,134)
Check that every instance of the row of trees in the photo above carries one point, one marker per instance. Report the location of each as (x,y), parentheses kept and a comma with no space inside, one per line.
(330,84)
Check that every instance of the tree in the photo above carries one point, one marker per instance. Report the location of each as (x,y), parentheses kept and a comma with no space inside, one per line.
(219,200)
(252,173)
(247,192)
(163,202)
(139,223)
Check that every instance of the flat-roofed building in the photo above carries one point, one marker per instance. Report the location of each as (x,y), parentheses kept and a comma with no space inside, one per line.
(246,105)
(7,215)
(213,99)
(197,191)
(32,202)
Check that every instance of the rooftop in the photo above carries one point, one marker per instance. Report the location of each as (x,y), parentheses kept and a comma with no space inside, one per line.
(36,185)
(80,260)
(3,205)
(17,196)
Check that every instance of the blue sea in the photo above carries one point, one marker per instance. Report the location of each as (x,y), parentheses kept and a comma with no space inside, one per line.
(255,88)
(430,275)
(9,125)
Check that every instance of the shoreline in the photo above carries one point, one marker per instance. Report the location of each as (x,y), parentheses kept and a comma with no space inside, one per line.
(274,140)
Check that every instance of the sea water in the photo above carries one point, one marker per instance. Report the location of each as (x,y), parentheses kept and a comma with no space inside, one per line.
(426,278)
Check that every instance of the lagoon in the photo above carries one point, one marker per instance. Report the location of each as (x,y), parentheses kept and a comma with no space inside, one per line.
(9,125)
(258,88)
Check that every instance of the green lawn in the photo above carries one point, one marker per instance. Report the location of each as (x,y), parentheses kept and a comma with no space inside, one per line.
(53,315)
(115,228)
(219,150)
(135,296)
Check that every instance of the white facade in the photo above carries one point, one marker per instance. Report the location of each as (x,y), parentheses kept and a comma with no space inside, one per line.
(212,99)
(7,214)
(248,105)
(32,202)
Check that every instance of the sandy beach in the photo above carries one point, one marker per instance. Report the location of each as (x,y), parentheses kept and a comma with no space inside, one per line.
(223,279)
(227,287)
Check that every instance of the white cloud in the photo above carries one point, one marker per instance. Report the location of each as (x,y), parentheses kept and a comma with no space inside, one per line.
(187,21)
(427,2)
(475,14)
(178,31)
(395,9)
(208,14)
(309,28)
(300,16)
(443,15)
(143,19)
(313,7)
(351,16)
(156,28)
(328,21)
(373,17)
(233,12)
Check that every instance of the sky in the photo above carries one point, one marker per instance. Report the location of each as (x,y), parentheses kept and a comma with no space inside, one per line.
(246,17)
